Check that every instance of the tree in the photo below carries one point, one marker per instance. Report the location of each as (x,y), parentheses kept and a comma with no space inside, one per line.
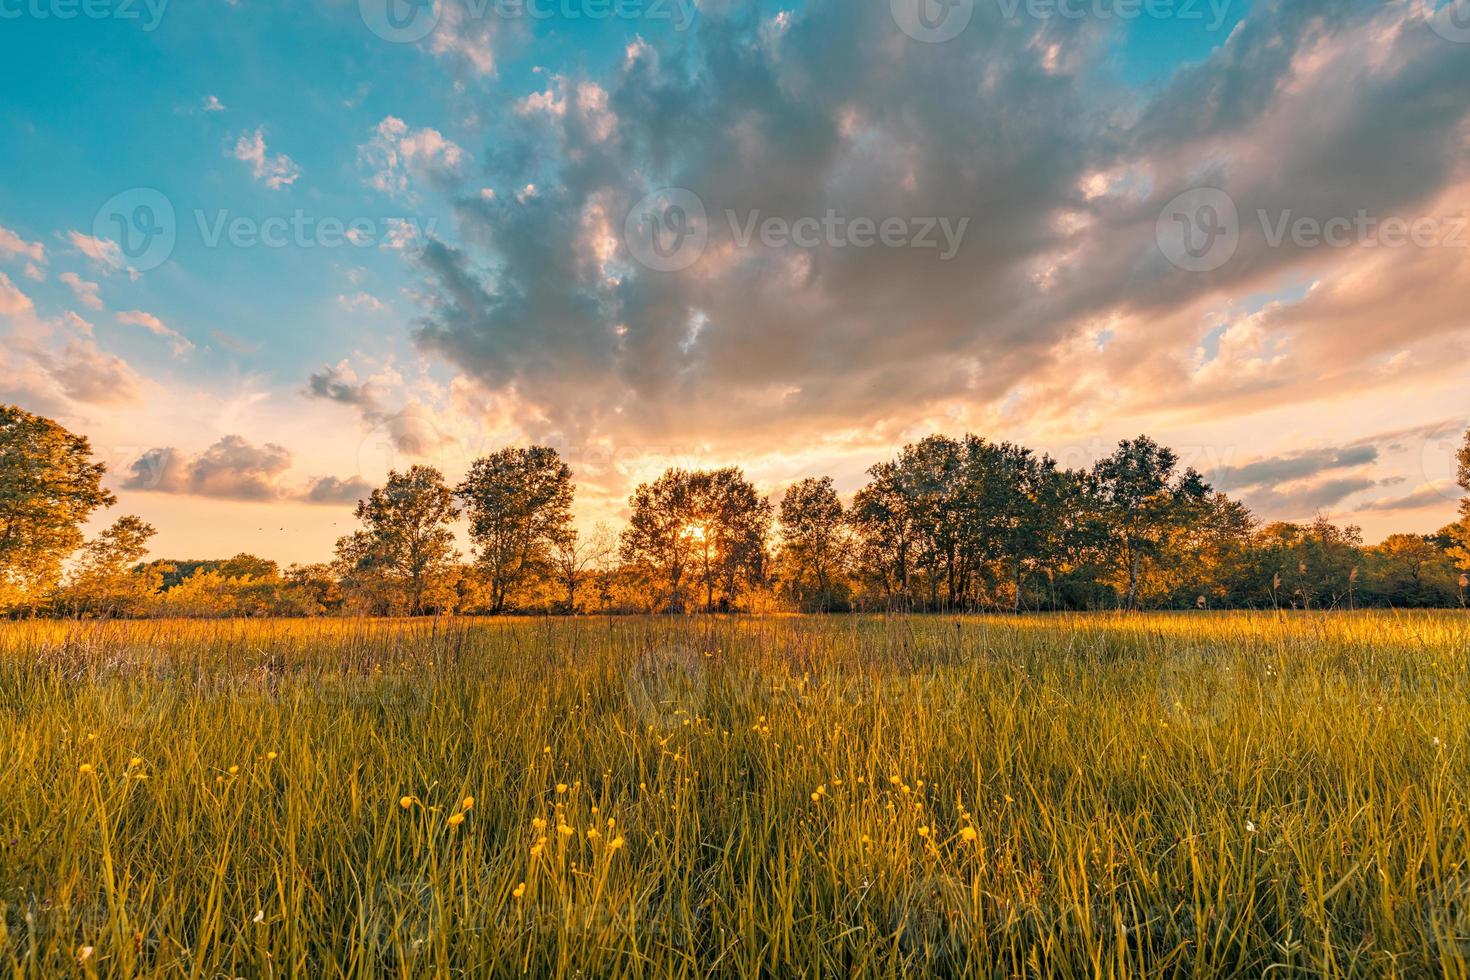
(107,578)
(660,532)
(519,503)
(49,487)
(813,537)
(574,559)
(1142,499)
(710,525)
(1459,533)
(882,518)
(406,542)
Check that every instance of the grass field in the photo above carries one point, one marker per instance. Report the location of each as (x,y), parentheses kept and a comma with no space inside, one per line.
(1191,795)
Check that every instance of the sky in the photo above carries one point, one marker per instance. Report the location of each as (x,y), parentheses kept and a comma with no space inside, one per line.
(261,252)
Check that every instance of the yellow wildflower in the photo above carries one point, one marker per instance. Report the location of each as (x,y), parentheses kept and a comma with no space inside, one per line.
(456,819)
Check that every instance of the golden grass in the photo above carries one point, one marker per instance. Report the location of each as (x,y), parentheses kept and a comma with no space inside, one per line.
(1187,795)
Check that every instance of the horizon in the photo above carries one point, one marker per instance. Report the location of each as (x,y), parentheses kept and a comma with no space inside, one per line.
(298,248)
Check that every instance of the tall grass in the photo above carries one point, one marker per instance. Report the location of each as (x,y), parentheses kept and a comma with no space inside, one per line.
(1190,795)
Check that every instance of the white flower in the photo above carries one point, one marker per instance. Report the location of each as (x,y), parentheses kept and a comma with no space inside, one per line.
(1250,826)
(259,916)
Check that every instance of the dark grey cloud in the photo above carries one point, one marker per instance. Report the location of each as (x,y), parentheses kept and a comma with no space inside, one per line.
(331,490)
(339,385)
(1296,466)
(1301,503)
(1426,496)
(231,469)
(833,109)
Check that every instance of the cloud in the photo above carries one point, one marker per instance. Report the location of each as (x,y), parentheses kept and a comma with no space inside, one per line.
(1059,307)
(1431,495)
(212,104)
(231,469)
(230,342)
(331,490)
(13,246)
(464,39)
(341,385)
(1295,466)
(397,153)
(13,302)
(105,253)
(90,375)
(180,344)
(1306,501)
(55,365)
(361,303)
(276,171)
(86,292)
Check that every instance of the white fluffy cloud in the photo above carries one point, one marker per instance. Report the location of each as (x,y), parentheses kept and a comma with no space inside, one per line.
(276,171)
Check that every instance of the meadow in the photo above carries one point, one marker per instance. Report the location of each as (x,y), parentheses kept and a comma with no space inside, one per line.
(1074,796)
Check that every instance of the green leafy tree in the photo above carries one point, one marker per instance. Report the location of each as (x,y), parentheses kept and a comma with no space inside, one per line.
(575,559)
(406,545)
(107,578)
(1459,533)
(813,539)
(519,503)
(49,487)
(1143,499)
(884,523)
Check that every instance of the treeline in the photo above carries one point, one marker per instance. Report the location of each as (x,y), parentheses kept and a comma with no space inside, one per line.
(948,525)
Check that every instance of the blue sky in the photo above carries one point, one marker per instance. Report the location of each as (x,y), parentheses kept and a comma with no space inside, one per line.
(275,382)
